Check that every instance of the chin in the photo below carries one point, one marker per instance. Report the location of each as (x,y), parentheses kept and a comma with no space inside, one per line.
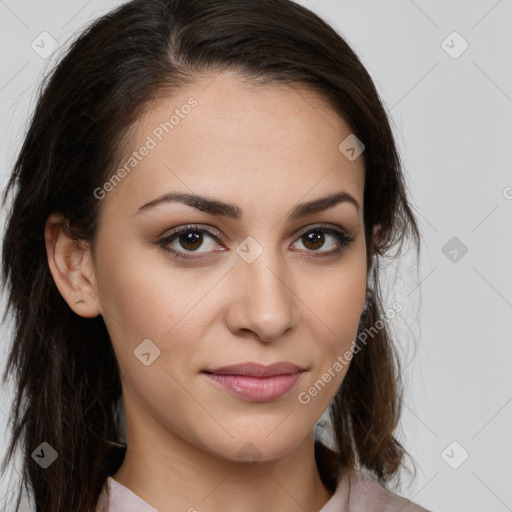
(257,444)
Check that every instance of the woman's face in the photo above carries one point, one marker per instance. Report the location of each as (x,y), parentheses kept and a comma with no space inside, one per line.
(260,277)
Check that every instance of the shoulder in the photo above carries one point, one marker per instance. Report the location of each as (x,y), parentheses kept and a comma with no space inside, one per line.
(115,497)
(361,492)
(102,505)
(368,494)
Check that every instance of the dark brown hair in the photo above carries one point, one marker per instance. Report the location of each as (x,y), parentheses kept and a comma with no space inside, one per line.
(68,384)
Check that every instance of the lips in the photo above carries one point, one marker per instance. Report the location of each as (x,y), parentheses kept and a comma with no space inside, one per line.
(258,370)
(255,382)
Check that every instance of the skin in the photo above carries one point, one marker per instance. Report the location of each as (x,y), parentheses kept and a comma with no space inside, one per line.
(265,149)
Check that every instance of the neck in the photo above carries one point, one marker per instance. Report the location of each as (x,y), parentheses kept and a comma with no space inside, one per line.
(172,474)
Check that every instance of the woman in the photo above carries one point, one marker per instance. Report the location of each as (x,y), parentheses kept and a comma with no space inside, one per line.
(202,201)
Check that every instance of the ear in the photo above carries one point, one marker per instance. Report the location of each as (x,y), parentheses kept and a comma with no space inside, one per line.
(71,266)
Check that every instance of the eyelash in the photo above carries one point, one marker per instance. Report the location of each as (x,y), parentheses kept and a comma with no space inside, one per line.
(343,239)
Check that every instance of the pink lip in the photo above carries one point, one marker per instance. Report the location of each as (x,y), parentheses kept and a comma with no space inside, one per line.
(255,382)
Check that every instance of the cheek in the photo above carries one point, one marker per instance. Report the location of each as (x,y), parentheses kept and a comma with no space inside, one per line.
(145,299)
(340,301)
(133,304)
(336,309)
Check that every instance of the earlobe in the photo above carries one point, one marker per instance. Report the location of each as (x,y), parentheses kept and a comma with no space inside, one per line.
(70,263)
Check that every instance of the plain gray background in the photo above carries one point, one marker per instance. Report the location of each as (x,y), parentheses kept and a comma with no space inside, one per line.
(451,109)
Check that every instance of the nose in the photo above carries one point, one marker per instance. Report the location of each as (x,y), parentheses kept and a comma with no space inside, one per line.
(264,302)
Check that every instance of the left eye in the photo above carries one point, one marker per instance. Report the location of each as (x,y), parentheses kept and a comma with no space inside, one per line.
(315,238)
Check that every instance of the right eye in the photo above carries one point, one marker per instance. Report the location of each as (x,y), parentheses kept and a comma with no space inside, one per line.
(186,240)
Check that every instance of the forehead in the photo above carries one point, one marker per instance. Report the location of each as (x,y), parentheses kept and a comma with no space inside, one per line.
(234,138)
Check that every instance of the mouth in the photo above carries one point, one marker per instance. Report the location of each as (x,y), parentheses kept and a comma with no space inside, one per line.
(258,370)
(255,382)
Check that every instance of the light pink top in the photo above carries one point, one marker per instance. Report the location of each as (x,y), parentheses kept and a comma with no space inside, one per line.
(367,495)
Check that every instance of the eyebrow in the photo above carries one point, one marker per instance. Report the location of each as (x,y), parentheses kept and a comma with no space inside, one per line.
(216,207)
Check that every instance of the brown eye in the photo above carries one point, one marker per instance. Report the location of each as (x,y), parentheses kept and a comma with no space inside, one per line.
(185,242)
(314,240)
(331,239)
(191,241)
